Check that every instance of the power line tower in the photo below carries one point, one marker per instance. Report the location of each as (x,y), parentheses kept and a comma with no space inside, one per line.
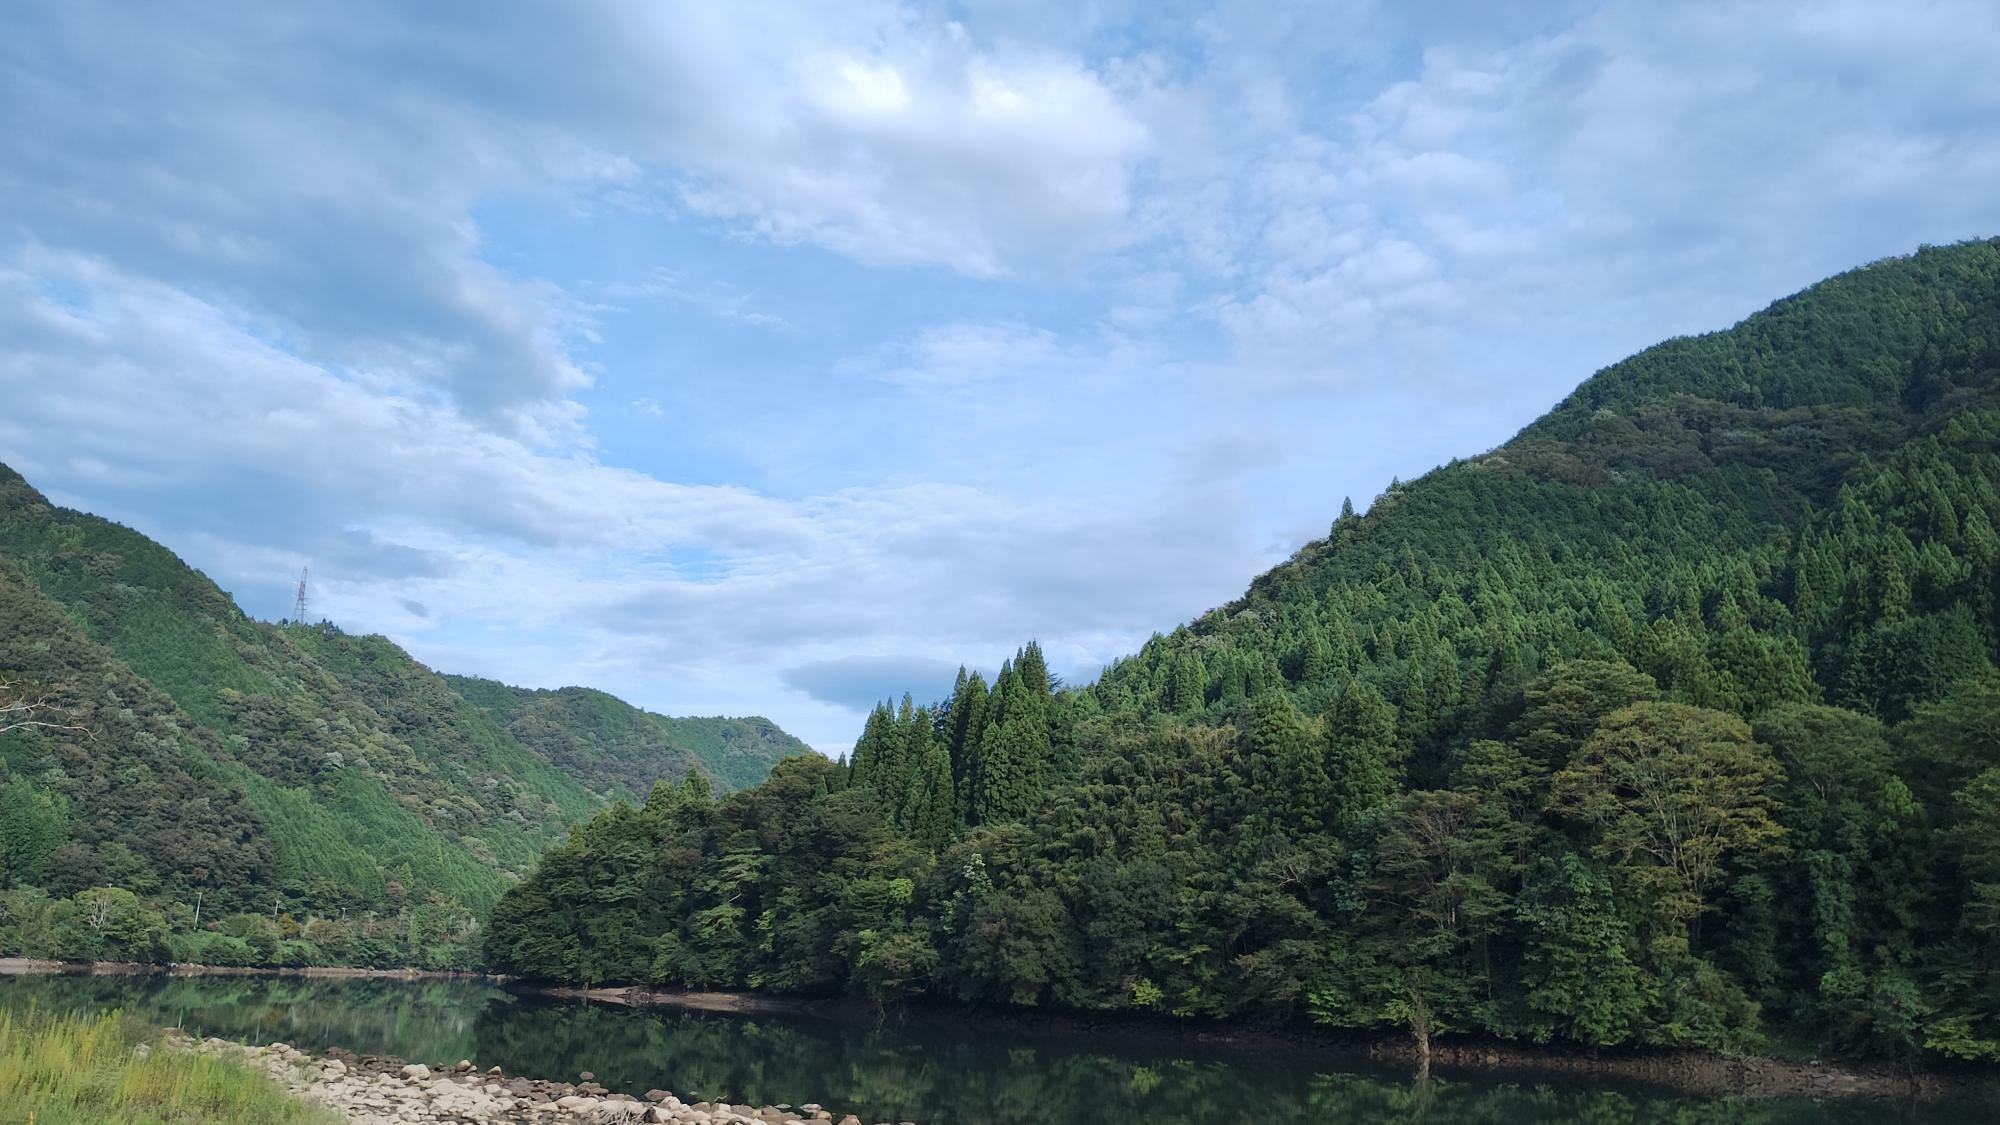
(299,603)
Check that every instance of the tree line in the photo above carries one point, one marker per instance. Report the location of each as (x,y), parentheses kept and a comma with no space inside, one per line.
(1667,723)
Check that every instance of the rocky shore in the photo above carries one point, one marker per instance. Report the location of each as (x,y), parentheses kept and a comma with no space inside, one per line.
(383,1090)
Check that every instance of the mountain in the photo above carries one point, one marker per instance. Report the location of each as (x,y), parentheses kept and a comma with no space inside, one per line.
(1667,723)
(614,747)
(233,791)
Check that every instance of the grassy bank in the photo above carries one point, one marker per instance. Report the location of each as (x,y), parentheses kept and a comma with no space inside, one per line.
(82,1070)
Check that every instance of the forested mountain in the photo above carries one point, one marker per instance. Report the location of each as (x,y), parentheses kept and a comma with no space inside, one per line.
(616,748)
(225,790)
(1673,721)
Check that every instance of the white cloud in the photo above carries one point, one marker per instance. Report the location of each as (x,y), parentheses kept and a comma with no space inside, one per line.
(966,355)
(287,282)
(696,597)
(139,360)
(891,136)
(1610,176)
(716,300)
(318,169)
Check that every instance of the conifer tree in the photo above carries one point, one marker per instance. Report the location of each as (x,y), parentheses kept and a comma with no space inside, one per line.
(971,714)
(1014,753)
(895,773)
(1363,756)
(696,792)
(1033,670)
(873,747)
(1292,765)
(1316,660)
(1187,688)
(934,819)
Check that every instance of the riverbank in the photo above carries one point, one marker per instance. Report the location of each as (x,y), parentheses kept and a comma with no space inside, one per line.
(384,1090)
(28,967)
(1693,1072)
(1142,1040)
(68,1069)
(738,1003)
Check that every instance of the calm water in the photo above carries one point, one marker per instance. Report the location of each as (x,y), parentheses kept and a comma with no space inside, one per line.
(938,1073)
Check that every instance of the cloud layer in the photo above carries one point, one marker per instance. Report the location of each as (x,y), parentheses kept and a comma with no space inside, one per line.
(759,360)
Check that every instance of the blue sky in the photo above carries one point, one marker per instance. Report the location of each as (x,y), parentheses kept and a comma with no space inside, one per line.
(773,358)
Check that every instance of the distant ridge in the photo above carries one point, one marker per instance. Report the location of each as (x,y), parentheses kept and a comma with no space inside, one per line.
(611,745)
(319,796)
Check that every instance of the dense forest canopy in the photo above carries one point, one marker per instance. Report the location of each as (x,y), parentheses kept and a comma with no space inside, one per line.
(228,791)
(1670,722)
(616,748)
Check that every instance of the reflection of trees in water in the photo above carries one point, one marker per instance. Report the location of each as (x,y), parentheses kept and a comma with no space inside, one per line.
(924,1075)
(934,1071)
(881,1073)
(417,1019)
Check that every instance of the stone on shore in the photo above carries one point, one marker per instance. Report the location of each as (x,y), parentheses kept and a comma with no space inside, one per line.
(379,1090)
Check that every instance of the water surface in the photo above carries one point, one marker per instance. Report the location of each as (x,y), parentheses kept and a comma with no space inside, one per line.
(937,1071)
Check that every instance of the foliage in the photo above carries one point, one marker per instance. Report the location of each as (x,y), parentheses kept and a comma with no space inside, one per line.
(215,766)
(619,750)
(1667,722)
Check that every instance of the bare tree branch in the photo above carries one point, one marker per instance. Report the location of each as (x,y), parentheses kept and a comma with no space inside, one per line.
(22,706)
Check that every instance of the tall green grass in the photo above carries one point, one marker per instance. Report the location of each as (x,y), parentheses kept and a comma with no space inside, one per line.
(82,1070)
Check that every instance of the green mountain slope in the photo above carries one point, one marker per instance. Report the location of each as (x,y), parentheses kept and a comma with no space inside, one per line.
(1668,722)
(316,795)
(156,806)
(616,748)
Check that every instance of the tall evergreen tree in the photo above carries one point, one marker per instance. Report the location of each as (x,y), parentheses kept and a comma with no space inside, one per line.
(1364,758)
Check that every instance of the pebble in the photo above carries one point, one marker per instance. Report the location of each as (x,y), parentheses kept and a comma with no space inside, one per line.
(381,1090)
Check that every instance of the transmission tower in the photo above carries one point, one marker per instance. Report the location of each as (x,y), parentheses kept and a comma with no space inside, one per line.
(299,603)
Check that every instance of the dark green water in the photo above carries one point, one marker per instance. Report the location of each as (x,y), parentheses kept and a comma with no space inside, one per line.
(937,1072)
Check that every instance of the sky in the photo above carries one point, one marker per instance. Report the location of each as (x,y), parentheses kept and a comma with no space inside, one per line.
(773,359)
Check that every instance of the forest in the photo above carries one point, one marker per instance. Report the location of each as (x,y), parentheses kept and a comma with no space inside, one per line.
(1672,722)
(227,791)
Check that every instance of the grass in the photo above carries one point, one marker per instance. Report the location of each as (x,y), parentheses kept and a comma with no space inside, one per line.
(82,1070)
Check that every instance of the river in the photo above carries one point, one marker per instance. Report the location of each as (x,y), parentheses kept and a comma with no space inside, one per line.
(934,1071)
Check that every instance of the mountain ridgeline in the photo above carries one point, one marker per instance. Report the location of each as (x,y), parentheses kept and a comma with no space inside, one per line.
(227,791)
(1669,722)
(615,748)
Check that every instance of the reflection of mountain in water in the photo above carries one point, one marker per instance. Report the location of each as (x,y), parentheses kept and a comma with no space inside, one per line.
(936,1071)
(417,1019)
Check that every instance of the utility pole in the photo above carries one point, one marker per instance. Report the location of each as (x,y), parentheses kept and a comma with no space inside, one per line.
(299,604)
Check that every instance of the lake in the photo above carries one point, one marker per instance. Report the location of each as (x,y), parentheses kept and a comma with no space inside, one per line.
(935,1071)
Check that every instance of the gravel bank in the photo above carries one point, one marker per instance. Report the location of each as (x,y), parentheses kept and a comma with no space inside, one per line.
(381,1090)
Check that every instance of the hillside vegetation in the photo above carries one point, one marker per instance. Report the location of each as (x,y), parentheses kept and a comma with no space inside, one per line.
(1670,722)
(230,791)
(616,748)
